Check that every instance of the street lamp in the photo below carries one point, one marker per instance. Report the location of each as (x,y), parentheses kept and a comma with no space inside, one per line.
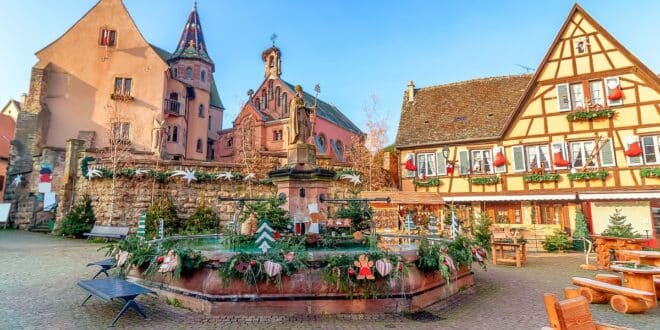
(445,151)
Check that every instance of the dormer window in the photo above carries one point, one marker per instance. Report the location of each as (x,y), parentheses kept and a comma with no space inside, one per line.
(108,37)
(189,73)
(203,76)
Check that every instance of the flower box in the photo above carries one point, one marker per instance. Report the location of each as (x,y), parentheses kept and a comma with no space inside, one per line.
(650,172)
(427,183)
(590,114)
(121,97)
(485,180)
(586,176)
(541,178)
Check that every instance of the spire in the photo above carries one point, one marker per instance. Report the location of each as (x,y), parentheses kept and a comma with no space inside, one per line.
(192,44)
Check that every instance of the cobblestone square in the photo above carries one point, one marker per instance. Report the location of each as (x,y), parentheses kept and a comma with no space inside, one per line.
(39,274)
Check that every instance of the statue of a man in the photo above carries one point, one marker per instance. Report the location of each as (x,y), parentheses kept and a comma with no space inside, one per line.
(300,124)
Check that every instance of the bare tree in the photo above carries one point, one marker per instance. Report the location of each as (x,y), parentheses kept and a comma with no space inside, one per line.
(249,152)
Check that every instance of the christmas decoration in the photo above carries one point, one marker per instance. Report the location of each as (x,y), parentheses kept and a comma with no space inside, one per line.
(121,257)
(499,158)
(559,158)
(409,224)
(581,231)
(351,272)
(410,165)
(249,177)
(585,176)
(384,267)
(141,172)
(616,94)
(450,168)
(272,268)
(358,236)
(160,259)
(650,172)
(265,235)
(618,226)
(486,180)
(364,265)
(170,262)
(187,175)
(634,149)
(353,178)
(541,178)
(590,114)
(427,183)
(433,225)
(249,226)
(225,176)
(94,173)
(242,267)
(289,256)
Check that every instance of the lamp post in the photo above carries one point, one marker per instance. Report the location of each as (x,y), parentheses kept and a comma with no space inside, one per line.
(445,151)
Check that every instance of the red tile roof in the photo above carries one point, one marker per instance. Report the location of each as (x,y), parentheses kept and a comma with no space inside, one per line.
(463,111)
(7,130)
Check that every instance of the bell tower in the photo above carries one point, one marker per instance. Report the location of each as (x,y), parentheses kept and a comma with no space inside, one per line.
(272,58)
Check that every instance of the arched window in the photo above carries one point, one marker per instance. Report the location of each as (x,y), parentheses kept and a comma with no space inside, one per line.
(230,142)
(175,134)
(285,106)
(271,61)
(175,72)
(278,100)
(188,73)
(203,76)
(321,142)
(270,89)
(200,148)
(200,111)
(174,96)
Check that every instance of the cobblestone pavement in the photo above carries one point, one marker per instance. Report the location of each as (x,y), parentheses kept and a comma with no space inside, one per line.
(38,275)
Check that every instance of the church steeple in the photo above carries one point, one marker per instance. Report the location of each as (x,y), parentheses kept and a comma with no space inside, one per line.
(191,44)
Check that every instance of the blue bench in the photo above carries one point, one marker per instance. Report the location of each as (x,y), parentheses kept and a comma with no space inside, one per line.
(113,288)
(108,232)
(105,264)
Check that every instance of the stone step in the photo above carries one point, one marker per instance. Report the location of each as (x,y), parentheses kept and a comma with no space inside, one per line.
(39,229)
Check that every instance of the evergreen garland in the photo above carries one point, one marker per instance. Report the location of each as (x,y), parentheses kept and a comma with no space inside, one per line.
(427,183)
(541,177)
(590,114)
(586,176)
(485,180)
(650,172)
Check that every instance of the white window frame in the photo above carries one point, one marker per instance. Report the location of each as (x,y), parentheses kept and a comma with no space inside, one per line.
(538,148)
(427,165)
(573,97)
(607,92)
(464,162)
(637,160)
(520,150)
(601,91)
(609,145)
(568,95)
(502,168)
(584,152)
(656,144)
(484,154)
(441,162)
(564,152)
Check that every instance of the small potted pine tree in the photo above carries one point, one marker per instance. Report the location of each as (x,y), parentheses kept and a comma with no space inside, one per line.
(619,235)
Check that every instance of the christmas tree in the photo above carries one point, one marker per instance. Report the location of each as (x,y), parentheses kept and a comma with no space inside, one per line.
(265,237)
(581,231)
(618,226)
(433,225)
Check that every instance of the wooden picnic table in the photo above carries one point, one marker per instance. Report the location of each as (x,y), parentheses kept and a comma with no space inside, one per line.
(651,258)
(638,278)
(520,253)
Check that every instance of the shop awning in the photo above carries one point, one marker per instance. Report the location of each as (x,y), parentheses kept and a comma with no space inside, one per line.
(620,196)
(507,198)
(406,197)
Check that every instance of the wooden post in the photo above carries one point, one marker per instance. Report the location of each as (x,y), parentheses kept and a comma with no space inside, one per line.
(493,249)
(595,297)
(570,292)
(609,278)
(623,304)
(518,256)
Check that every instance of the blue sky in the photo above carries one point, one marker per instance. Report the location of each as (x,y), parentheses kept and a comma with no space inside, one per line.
(354,49)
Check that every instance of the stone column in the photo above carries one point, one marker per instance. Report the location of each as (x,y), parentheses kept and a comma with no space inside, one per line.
(66,193)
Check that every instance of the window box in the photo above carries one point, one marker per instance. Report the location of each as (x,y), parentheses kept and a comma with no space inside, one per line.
(427,183)
(485,180)
(590,114)
(650,172)
(541,177)
(586,176)
(121,97)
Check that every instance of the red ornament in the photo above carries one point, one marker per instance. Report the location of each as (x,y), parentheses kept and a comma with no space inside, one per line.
(616,94)
(450,168)
(276,234)
(400,267)
(634,150)
(499,159)
(160,259)
(253,263)
(410,166)
(351,272)
(559,160)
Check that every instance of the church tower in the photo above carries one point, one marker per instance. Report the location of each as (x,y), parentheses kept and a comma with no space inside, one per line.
(272,58)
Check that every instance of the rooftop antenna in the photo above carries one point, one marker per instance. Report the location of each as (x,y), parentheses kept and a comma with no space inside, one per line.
(273,37)
(527,68)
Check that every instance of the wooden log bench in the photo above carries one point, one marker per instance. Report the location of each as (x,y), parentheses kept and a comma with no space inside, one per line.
(107,232)
(573,313)
(623,300)
(114,288)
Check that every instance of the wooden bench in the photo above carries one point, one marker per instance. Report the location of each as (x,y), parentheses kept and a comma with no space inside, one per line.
(108,232)
(623,300)
(114,288)
(573,313)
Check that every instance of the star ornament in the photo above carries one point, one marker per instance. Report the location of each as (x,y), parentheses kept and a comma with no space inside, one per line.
(94,173)
(140,172)
(353,178)
(187,175)
(250,176)
(225,176)
(17,180)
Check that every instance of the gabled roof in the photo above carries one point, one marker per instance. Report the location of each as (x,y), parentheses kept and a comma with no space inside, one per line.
(192,44)
(328,111)
(469,110)
(16,104)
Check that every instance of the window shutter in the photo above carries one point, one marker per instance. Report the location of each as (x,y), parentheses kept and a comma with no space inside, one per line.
(442,163)
(607,153)
(463,162)
(518,159)
(627,141)
(561,148)
(499,169)
(563,98)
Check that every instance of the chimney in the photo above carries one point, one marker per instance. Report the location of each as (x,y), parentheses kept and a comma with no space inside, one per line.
(411,91)
(23,98)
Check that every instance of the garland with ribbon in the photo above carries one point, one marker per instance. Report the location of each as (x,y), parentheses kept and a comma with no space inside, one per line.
(586,176)
(541,177)
(485,180)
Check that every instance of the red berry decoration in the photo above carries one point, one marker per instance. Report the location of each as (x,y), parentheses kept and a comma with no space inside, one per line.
(160,259)
(253,263)
(276,235)
(400,267)
(351,272)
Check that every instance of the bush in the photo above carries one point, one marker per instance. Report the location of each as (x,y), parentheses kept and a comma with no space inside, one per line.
(618,226)
(162,208)
(79,220)
(271,210)
(203,221)
(358,213)
(559,241)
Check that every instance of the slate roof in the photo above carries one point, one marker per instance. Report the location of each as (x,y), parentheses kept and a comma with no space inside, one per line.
(329,112)
(464,111)
(192,44)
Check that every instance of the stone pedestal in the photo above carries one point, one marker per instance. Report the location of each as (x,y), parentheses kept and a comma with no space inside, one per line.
(300,194)
(301,154)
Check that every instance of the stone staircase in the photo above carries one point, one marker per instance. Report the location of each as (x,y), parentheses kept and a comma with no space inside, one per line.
(40,228)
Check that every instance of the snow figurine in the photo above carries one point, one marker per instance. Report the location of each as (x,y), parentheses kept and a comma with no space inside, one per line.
(433,225)
(170,262)
(409,224)
(364,265)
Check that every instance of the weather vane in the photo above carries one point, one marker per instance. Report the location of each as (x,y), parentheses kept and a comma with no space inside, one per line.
(273,37)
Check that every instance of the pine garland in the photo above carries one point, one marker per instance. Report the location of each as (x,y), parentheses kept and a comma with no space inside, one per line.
(541,177)
(590,114)
(650,172)
(485,180)
(586,176)
(163,176)
(427,183)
